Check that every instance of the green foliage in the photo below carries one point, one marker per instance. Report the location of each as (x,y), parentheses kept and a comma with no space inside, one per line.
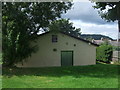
(65,26)
(109,11)
(21,21)
(104,53)
(0,41)
(116,48)
(0,58)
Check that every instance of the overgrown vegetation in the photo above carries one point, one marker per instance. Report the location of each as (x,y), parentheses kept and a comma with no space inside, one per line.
(104,53)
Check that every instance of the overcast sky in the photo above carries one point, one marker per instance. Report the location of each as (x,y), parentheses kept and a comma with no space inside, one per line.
(84,16)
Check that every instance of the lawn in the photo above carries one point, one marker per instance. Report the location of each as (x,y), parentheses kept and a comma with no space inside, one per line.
(92,76)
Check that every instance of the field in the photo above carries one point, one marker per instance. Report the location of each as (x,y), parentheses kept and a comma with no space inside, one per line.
(92,76)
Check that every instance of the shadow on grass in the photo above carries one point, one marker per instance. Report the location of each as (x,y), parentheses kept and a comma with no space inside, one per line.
(98,71)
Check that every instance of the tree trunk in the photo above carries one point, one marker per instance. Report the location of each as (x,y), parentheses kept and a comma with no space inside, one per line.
(118,38)
(118,15)
(119,26)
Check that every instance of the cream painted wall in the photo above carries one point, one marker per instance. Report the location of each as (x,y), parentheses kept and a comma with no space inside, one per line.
(84,54)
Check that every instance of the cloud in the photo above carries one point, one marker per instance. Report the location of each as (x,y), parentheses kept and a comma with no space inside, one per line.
(84,16)
(85,12)
(90,28)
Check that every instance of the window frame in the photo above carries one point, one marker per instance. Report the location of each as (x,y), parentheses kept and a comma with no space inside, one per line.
(54,38)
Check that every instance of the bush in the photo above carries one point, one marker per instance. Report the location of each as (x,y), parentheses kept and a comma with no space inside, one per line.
(104,53)
(116,48)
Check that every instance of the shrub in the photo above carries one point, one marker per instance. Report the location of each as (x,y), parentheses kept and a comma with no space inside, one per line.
(116,48)
(104,53)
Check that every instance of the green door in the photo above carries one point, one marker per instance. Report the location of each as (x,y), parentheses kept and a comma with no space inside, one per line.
(66,58)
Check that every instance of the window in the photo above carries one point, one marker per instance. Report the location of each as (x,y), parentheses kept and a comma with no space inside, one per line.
(54,38)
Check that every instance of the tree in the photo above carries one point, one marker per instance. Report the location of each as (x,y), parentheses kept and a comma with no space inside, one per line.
(21,21)
(109,11)
(65,26)
(89,39)
(104,52)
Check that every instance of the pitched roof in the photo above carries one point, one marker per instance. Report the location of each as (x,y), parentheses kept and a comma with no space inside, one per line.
(79,38)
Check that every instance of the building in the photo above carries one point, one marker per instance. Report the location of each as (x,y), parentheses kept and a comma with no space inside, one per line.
(99,39)
(60,49)
(96,38)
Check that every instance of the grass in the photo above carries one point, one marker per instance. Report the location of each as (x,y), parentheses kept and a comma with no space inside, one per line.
(92,76)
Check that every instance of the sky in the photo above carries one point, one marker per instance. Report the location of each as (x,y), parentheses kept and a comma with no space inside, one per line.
(84,16)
